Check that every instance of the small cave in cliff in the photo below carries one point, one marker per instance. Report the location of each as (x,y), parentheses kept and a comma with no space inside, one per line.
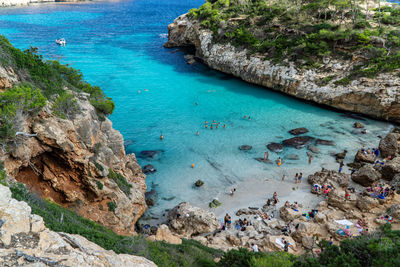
(52,177)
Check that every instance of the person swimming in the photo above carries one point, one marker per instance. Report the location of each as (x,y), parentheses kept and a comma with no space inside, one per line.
(211,127)
(197,133)
(279,161)
(245,116)
(161,137)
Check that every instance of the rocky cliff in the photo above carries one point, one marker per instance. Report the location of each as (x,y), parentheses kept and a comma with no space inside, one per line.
(78,162)
(24,240)
(378,97)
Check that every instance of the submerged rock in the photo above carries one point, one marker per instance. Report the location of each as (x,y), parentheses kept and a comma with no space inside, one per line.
(313,149)
(358,125)
(298,131)
(245,147)
(149,169)
(215,203)
(198,183)
(275,147)
(298,141)
(292,157)
(325,142)
(150,153)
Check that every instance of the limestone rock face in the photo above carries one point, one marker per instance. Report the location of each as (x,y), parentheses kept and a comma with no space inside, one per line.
(390,169)
(288,214)
(24,239)
(329,177)
(366,175)
(359,96)
(389,145)
(164,234)
(190,221)
(364,158)
(69,160)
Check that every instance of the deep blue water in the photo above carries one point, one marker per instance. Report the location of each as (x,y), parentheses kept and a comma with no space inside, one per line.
(118,46)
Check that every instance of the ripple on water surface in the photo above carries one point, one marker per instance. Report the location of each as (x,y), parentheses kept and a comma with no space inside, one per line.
(118,46)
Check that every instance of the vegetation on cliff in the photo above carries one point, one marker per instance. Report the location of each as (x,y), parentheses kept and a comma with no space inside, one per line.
(41,81)
(308,33)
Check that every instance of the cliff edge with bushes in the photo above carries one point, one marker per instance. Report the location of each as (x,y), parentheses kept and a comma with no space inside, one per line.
(56,139)
(343,54)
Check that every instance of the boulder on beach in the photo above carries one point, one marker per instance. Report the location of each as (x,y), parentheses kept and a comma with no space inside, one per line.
(340,156)
(245,147)
(190,221)
(164,234)
(298,131)
(298,141)
(389,145)
(362,157)
(149,169)
(275,147)
(333,178)
(325,142)
(288,214)
(366,175)
(391,169)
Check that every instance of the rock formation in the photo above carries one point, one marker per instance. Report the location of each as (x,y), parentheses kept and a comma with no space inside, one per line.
(69,161)
(359,96)
(189,221)
(25,241)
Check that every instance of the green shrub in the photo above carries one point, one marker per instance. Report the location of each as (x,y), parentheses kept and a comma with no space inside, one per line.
(65,105)
(111,205)
(275,259)
(120,180)
(99,185)
(17,101)
(105,106)
(237,258)
(98,166)
(3,177)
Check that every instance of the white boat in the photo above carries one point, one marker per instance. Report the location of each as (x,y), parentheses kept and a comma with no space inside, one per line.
(61,42)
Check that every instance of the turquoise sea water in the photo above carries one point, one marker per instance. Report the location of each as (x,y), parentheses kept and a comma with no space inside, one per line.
(118,46)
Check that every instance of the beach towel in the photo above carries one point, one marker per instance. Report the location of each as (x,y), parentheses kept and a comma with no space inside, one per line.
(279,242)
(344,222)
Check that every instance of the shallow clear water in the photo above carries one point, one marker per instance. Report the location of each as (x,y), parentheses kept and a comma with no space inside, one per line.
(118,46)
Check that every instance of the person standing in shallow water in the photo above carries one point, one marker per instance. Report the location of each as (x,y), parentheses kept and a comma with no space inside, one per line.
(309,159)
(279,162)
(266,155)
(295,178)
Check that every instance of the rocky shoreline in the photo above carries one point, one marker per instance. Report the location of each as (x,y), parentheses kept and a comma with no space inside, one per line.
(355,204)
(377,98)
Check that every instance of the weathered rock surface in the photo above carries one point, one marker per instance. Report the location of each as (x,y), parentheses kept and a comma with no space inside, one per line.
(390,169)
(190,221)
(329,177)
(275,147)
(149,169)
(164,234)
(69,162)
(362,157)
(389,145)
(359,96)
(366,175)
(25,241)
